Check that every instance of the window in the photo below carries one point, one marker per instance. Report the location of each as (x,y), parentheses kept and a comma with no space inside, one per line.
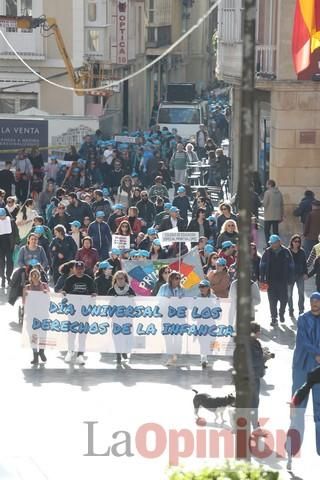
(11,8)
(16,8)
(151,11)
(28,103)
(186,115)
(7,105)
(92,11)
(152,35)
(93,41)
(14,103)
(26,8)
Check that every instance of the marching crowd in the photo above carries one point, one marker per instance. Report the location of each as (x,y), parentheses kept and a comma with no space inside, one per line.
(59,223)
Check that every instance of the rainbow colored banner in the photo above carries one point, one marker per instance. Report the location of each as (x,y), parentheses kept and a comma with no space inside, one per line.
(143,274)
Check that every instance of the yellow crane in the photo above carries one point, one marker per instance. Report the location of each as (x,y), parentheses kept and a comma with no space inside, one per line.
(84,77)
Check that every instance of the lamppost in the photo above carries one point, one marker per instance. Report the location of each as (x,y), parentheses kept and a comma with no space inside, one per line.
(243,367)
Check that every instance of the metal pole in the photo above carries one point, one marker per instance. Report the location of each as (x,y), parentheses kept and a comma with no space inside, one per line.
(243,366)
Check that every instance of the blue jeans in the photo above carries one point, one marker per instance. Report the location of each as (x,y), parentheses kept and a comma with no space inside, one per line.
(299,281)
(297,425)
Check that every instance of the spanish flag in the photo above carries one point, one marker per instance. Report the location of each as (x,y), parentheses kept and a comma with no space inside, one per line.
(306,33)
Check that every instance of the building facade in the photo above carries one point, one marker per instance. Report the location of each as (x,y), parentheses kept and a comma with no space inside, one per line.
(90,30)
(287,114)
(191,60)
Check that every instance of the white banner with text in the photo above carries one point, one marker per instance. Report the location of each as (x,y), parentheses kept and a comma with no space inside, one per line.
(128,324)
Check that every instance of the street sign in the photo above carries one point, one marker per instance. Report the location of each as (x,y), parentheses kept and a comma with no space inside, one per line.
(124,139)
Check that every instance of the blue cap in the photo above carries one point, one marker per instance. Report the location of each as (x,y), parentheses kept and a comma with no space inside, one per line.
(157,242)
(174,209)
(3,212)
(116,251)
(143,253)
(208,249)
(100,214)
(152,231)
(105,191)
(227,244)
(104,265)
(181,190)
(118,206)
(76,223)
(134,174)
(274,239)
(33,261)
(167,205)
(211,219)
(204,283)
(133,253)
(39,229)
(222,262)
(315,296)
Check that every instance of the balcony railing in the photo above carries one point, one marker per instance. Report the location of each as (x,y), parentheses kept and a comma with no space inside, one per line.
(266,60)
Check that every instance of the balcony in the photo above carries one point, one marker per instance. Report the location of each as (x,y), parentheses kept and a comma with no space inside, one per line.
(230,34)
(157,38)
(29,44)
(266,61)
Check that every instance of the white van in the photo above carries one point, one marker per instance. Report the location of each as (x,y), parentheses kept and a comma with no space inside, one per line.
(185,117)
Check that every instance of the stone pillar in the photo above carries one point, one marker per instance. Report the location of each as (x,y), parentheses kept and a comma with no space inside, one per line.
(295,144)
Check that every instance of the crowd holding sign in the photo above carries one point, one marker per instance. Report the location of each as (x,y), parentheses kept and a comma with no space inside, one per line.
(135,325)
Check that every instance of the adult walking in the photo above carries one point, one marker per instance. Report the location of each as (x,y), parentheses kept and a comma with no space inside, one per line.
(273,209)
(312,228)
(305,358)
(121,288)
(78,284)
(178,163)
(277,271)
(101,236)
(9,238)
(170,289)
(63,248)
(300,273)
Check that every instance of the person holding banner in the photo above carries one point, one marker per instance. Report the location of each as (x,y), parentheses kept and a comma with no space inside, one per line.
(205,292)
(79,284)
(170,289)
(120,287)
(36,285)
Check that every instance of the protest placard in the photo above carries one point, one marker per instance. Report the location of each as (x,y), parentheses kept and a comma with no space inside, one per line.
(124,139)
(127,324)
(170,236)
(121,241)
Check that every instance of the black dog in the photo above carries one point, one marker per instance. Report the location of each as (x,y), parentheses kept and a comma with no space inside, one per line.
(217,405)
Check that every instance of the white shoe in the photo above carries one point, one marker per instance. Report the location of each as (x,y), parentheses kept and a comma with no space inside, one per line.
(79,360)
(68,358)
(172,361)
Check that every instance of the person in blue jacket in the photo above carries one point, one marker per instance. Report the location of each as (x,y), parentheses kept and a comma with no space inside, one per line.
(101,235)
(306,357)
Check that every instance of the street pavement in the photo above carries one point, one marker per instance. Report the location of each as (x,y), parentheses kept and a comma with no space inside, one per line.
(44,409)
